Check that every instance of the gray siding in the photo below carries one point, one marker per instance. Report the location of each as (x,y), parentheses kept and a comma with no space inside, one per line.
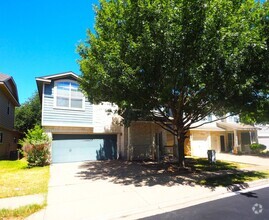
(6,120)
(9,143)
(64,117)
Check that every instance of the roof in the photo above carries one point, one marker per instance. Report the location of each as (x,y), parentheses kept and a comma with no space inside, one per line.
(58,76)
(208,128)
(235,126)
(9,88)
(47,79)
(211,126)
(223,126)
(4,77)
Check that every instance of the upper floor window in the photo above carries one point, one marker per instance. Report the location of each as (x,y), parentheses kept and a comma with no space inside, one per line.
(234,118)
(1,137)
(67,95)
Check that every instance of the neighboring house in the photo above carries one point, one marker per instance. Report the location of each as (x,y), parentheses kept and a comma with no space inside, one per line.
(148,140)
(8,101)
(263,134)
(81,130)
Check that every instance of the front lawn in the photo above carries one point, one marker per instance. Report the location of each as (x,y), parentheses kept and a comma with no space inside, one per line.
(21,212)
(234,178)
(16,179)
(223,173)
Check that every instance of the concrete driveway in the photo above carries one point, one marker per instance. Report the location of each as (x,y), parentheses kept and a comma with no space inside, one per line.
(119,190)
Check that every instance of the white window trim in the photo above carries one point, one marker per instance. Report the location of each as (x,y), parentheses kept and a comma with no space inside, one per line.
(67,108)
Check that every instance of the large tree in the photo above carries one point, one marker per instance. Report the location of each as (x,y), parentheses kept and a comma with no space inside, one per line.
(257,115)
(175,61)
(258,63)
(28,114)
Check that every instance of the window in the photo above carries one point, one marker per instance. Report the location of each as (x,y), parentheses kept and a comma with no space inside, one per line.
(236,119)
(1,137)
(8,108)
(67,95)
(233,119)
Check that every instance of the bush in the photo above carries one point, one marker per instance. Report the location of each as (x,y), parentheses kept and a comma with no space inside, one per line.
(35,147)
(257,148)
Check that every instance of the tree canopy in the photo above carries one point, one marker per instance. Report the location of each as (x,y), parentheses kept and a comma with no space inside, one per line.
(28,114)
(182,59)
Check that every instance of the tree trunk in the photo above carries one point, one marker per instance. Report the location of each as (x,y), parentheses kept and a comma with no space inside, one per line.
(181,155)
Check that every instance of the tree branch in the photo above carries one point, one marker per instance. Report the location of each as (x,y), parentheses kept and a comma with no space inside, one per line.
(163,125)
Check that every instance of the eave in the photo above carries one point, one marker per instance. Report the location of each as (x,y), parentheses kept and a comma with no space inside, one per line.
(8,93)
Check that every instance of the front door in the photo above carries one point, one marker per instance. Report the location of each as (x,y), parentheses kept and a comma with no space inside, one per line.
(222,143)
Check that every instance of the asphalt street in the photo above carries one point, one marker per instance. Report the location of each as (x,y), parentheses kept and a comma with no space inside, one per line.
(243,206)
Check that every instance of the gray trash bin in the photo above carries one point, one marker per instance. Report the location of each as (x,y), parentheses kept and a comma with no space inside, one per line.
(211,155)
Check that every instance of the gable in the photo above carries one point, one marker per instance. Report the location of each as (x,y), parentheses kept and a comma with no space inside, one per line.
(49,80)
(9,88)
(63,104)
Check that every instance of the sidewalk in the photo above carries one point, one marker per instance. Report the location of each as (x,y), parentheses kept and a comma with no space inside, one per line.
(130,207)
(248,159)
(189,202)
(15,202)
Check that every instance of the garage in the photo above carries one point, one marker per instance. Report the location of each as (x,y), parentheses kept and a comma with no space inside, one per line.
(68,148)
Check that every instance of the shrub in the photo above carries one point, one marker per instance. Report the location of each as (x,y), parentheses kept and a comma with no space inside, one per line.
(35,147)
(257,148)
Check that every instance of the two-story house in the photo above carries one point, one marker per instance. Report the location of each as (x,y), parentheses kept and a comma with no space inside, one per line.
(81,130)
(8,101)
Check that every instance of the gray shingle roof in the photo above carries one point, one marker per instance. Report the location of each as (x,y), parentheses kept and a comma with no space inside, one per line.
(4,77)
(8,84)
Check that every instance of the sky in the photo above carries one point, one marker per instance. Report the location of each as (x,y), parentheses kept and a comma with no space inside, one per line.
(39,37)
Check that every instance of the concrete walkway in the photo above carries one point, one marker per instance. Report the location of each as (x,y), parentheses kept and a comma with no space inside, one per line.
(255,160)
(15,202)
(118,190)
(133,204)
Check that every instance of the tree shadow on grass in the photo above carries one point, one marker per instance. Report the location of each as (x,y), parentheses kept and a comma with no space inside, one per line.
(234,181)
(198,172)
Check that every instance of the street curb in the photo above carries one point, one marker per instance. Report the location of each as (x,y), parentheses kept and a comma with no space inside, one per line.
(175,205)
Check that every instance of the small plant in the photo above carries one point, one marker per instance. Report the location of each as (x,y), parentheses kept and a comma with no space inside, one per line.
(257,148)
(35,147)
(239,152)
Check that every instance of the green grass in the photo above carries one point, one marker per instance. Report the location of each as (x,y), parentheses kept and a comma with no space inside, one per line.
(21,212)
(202,164)
(235,178)
(16,179)
(224,173)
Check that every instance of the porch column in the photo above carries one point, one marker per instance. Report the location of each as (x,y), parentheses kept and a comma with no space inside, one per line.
(253,139)
(153,144)
(235,140)
(119,146)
